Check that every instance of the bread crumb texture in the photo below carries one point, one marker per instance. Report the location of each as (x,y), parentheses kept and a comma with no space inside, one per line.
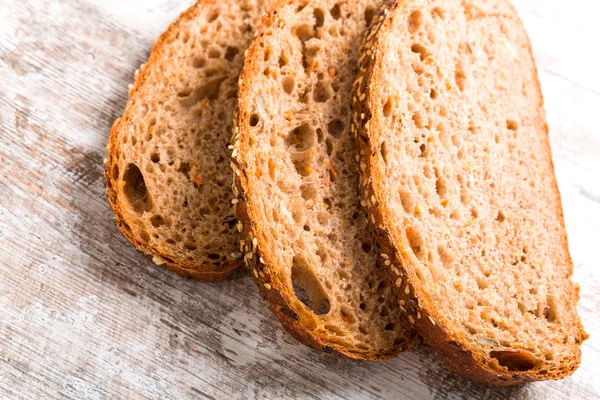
(459,170)
(168,173)
(295,161)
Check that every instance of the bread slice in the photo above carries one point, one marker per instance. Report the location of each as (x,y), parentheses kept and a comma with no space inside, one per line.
(459,181)
(167,171)
(304,234)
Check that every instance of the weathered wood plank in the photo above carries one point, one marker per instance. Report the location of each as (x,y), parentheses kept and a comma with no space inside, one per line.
(82,315)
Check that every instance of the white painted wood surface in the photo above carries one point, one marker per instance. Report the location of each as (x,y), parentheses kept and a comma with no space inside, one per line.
(83,316)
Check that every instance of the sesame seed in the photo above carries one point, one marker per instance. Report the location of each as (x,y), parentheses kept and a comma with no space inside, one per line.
(373,200)
(396,270)
(262,260)
(398,282)
(411,319)
(362,115)
(407,289)
(267,286)
(234,201)
(362,97)
(240,226)
(403,309)
(255,242)
(431,320)
(235,255)
(230,147)
(250,255)
(262,274)
(385,256)
(372,218)
(157,260)
(363,203)
(402,302)
(387,262)
(418,315)
(256,274)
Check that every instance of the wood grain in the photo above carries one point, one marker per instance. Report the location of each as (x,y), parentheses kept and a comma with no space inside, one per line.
(83,316)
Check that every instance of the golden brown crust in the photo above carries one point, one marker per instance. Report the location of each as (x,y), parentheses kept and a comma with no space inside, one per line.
(462,358)
(272,289)
(183,267)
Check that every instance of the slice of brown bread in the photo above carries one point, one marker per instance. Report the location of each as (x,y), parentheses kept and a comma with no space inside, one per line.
(304,234)
(460,186)
(167,171)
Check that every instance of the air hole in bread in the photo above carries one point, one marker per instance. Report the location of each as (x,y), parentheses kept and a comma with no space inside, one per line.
(185,92)
(512,125)
(184,168)
(135,189)
(214,53)
(438,12)
(500,217)
(334,329)
(335,12)
(307,287)
(288,83)
(418,68)
(155,157)
(335,127)
(231,52)
(309,192)
(283,60)
(347,315)
(551,310)
(440,187)
(388,107)
(362,329)
(199,62)
(367,247)
(423,150)
(157,221)
(445,255)
(193,246)
(369,14)
(115,172)
(407,200)
(304,32)
(460,78)
(474,213)
(383,152)
(515,360)
(301,138)
(497,138)
(418,120)
(415,20)
(420,50)
(319,15)
(212,16)
(455,215)
(433,94)
(416,242)
(144,236)
(329,146)
(210,72)
(254,119)
(321,94)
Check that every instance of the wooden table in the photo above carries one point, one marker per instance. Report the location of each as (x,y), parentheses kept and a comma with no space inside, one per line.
(83,316)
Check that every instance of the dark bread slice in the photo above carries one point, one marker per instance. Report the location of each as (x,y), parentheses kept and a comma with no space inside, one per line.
(167,171)
(304,234)
(460,186)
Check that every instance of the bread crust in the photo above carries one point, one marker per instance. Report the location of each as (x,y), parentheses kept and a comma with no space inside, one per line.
(196,269)
(464,359)
(271,287)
